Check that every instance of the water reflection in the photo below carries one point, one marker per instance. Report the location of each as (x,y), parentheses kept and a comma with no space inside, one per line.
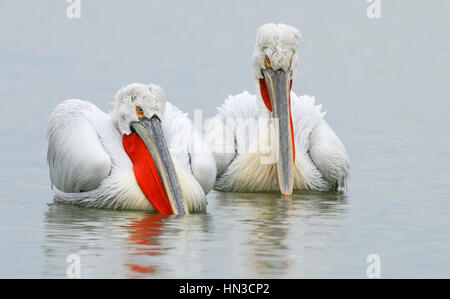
(162,244)
(273,220)
(241,235)
(143,239)
(117,243)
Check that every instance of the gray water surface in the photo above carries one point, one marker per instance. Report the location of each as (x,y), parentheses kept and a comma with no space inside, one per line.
(384,83)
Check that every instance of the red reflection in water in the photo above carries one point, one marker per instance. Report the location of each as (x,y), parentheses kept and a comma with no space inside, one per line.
(144,240)
(146,231)
(141,269)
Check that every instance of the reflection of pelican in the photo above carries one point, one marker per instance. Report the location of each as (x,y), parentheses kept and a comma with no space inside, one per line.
(281,233)
(110,244)
(126,244)
(268,236)
(144,231)
(143,239)
(121,160)
(309,154)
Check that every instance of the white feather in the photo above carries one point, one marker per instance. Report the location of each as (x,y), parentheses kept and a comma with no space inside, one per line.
(240,169)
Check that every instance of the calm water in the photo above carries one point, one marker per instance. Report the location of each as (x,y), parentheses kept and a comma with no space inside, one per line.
(383,82)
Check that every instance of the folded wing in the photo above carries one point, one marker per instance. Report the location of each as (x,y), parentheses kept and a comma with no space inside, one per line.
(76,156)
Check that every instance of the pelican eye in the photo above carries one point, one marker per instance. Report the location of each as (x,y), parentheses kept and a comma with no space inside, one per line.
(139,111)
(268,64)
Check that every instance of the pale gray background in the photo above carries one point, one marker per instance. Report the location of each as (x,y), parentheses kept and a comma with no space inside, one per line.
(383,82)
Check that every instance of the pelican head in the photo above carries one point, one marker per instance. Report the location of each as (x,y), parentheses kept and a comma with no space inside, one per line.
(276,48)
(135,100)
(275,63)
(137,114)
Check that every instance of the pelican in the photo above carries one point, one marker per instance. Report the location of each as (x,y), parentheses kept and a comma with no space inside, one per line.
(307,154)
(142,155)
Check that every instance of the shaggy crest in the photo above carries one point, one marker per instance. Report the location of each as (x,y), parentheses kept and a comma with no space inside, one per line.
(151,98)
(279,43)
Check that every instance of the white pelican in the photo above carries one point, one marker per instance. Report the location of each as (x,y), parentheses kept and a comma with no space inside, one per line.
(308,154)
(121,160)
